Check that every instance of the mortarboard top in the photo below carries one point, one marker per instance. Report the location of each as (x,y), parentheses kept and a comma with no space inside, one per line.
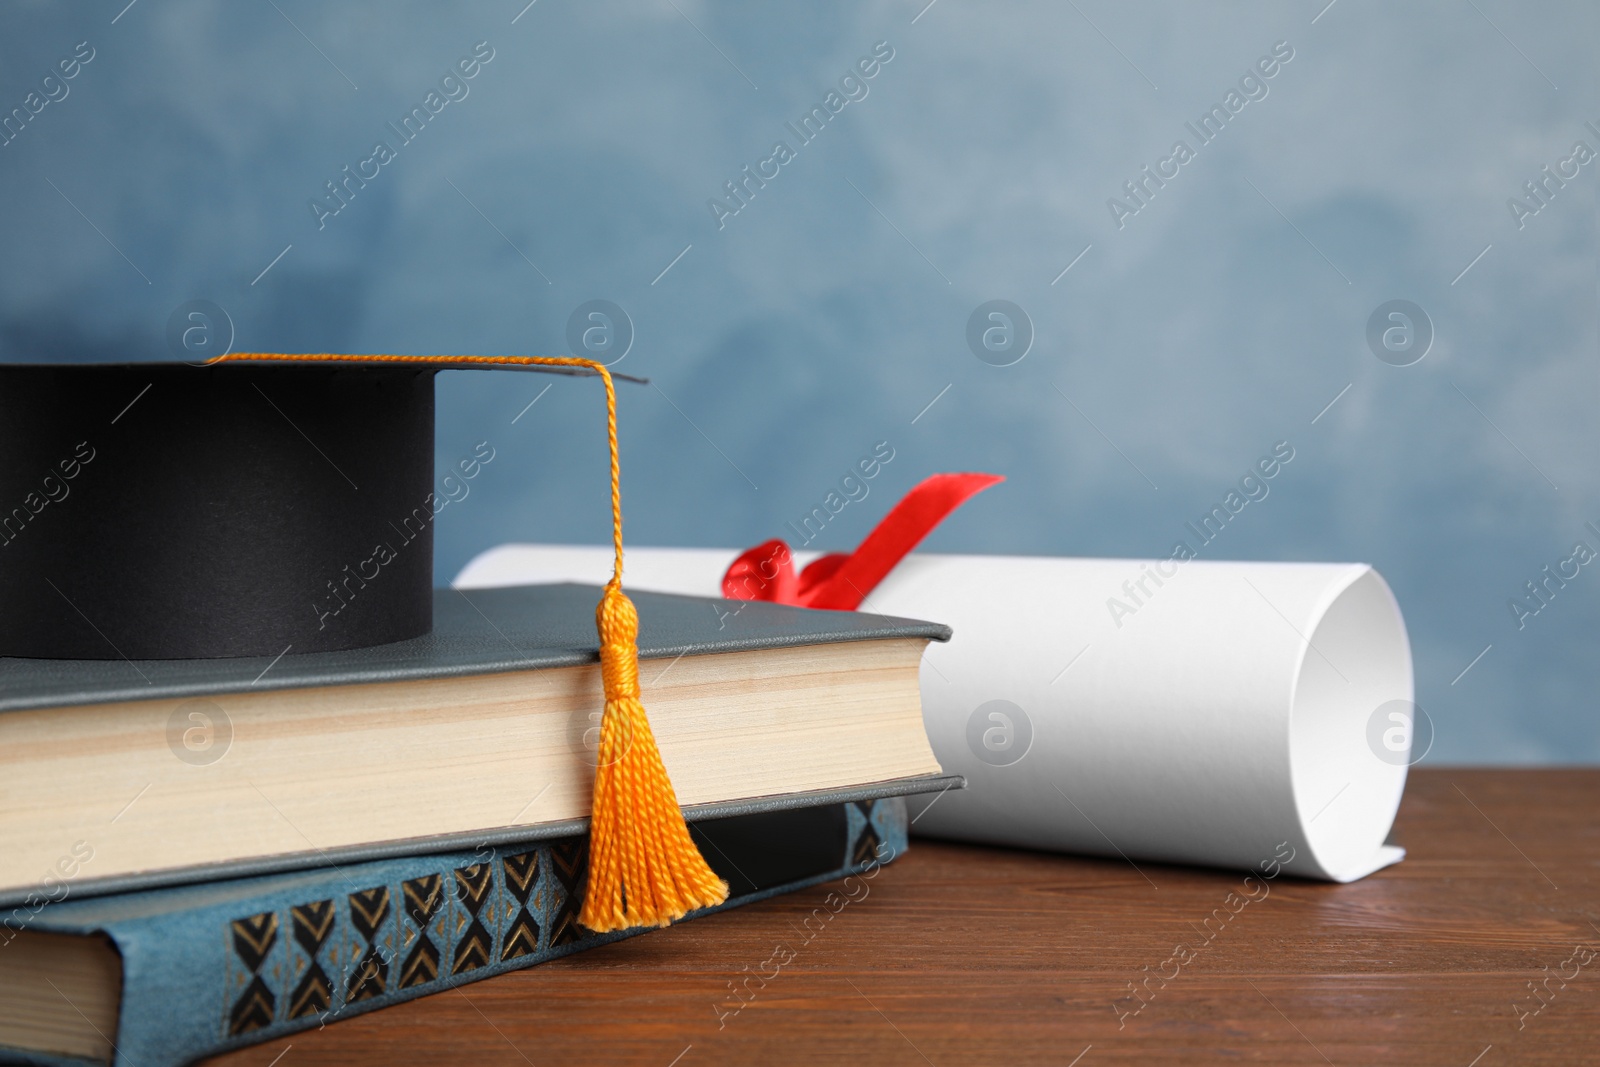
(179,510)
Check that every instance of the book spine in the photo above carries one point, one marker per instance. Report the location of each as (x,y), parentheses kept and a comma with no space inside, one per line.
(347,941)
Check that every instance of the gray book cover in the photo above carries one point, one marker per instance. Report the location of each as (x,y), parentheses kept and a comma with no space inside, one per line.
(479,631)
(475,632)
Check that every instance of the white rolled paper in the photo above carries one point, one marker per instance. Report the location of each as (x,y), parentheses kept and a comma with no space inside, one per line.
(1182,712)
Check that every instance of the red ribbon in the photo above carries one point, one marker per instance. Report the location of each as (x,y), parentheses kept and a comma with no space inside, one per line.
(841,581)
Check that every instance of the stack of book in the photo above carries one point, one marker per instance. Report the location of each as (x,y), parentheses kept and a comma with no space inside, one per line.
(205,853)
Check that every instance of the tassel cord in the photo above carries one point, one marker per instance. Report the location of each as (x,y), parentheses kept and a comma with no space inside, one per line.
(644,868)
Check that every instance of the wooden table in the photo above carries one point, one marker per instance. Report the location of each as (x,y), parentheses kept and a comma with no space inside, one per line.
(972,955)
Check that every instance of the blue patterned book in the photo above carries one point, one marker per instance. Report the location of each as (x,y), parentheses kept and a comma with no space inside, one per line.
(168,976)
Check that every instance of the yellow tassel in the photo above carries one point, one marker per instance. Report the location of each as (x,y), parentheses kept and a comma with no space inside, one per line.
(644,868)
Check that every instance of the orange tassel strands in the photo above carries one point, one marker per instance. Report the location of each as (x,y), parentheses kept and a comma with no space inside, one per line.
(644,869)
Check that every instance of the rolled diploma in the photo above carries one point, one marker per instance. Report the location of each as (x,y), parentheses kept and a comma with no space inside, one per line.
(1201,712)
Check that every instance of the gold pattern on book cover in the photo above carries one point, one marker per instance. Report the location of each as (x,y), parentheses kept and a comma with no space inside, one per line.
(452,924)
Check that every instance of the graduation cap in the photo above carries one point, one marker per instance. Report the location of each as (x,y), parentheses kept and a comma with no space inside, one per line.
(238,508)
(262,504)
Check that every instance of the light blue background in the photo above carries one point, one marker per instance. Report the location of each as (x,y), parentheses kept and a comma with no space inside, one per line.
(827,315)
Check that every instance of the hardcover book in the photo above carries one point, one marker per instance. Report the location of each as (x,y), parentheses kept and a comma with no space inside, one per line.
(126,774)
(167,976)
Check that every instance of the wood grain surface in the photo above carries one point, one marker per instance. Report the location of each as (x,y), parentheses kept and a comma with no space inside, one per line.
(960,954)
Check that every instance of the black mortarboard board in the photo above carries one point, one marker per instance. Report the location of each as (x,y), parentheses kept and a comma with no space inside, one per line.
(176,511)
